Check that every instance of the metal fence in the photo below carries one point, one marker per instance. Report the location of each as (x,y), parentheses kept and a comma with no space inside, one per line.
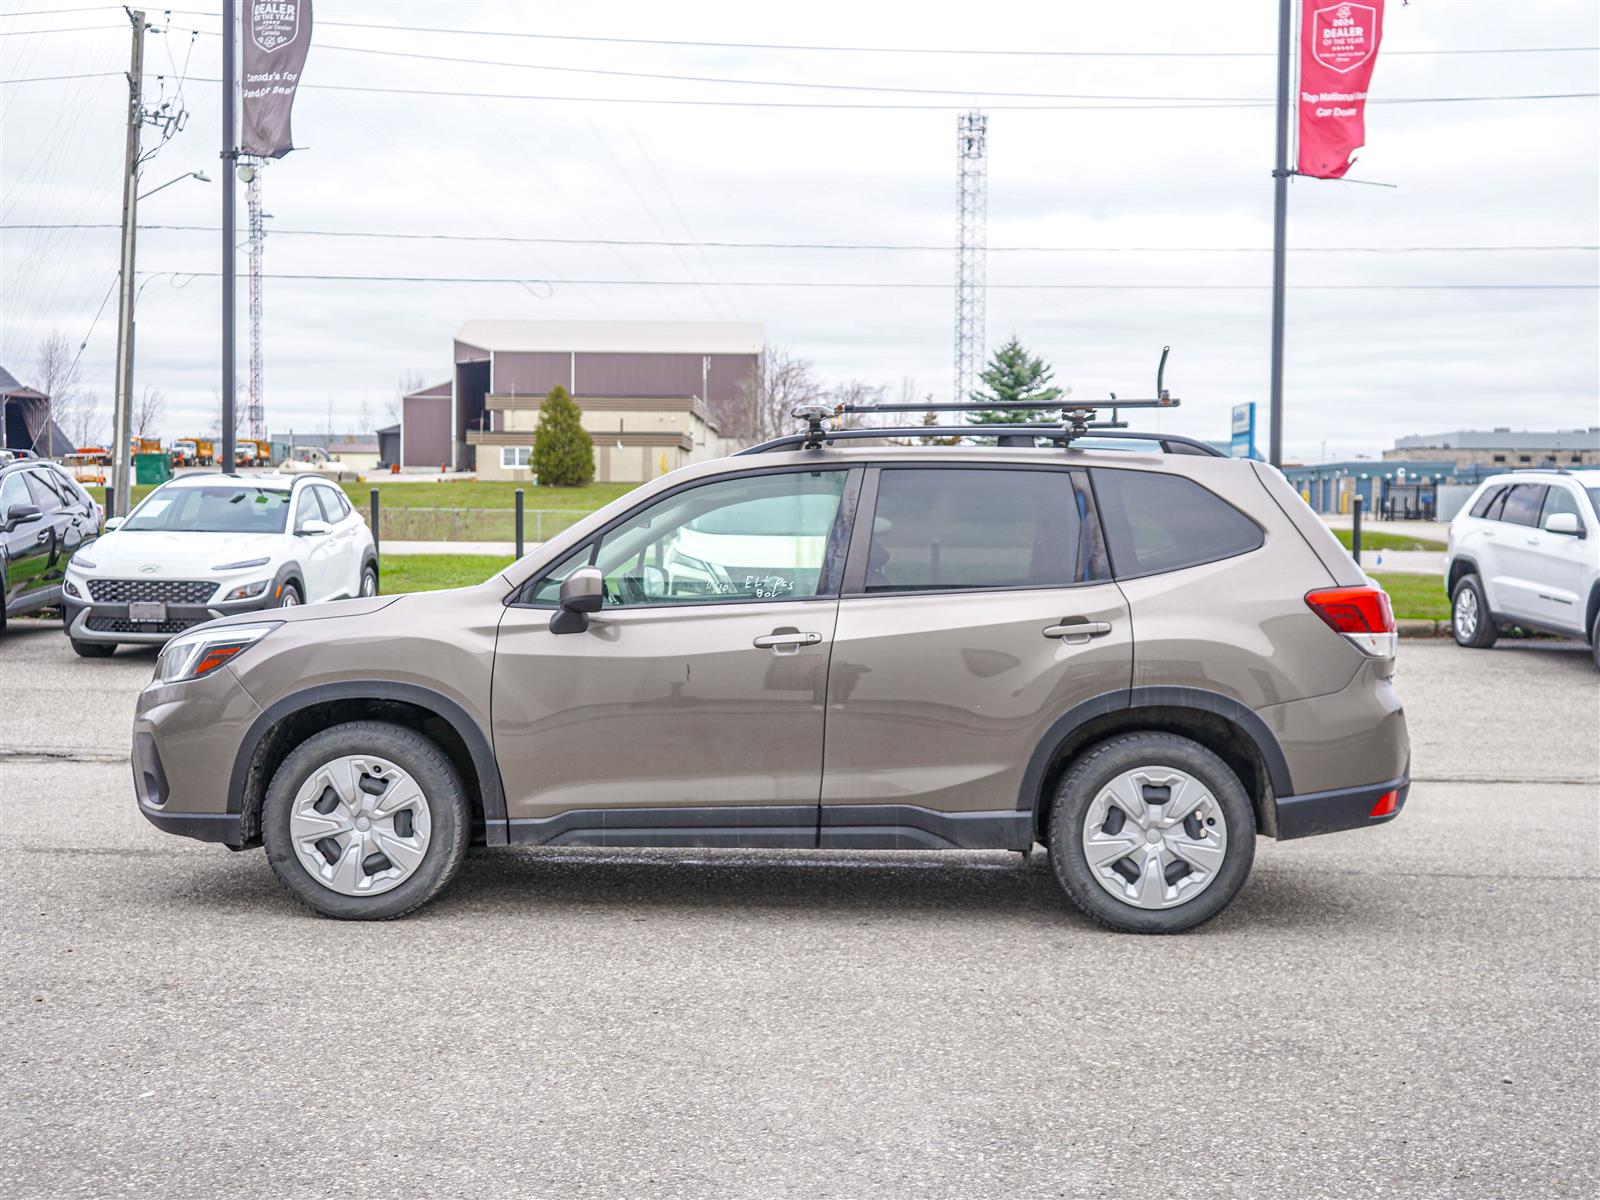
(409,524)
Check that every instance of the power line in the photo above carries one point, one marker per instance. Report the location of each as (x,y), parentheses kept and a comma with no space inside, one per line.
(853,246)
(832,49)
(910,285)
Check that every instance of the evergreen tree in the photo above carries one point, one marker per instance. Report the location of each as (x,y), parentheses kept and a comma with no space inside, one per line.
(563,452)
(932,418)
(1014,375)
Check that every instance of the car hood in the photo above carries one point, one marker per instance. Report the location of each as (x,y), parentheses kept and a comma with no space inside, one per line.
(157,554)
(359,607)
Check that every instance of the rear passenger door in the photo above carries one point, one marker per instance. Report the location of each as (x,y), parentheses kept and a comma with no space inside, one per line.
(1519,565)
(978,608)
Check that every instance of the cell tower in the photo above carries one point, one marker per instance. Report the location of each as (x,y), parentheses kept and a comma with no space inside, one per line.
(972,243)
(256,413)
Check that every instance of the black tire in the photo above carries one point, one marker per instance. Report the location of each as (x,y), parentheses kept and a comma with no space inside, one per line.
(1594,640)
(370,571)
(1083,782)
(1484,632)
(93,649)
(448,809)
(290,595)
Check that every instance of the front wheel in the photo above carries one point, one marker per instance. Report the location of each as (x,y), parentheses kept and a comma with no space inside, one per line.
(365,821)
(1151,833)
(369,581)
(289,596)
(1594,641)
(1471,623)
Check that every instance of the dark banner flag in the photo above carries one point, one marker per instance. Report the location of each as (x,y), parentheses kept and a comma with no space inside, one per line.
(1338,49)
(277,34)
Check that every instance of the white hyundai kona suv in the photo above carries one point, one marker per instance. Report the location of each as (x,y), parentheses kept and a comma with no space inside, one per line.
(206,546)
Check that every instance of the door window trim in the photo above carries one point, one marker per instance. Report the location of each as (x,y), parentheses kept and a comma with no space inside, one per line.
(833,557)
(855,571)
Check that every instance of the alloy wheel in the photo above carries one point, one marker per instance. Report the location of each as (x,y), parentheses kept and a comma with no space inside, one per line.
(360,825)
(1155,837)
(1465,620)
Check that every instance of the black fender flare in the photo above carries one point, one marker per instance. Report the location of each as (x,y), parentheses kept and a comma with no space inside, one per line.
(490,786)
(1458,567)
(1029,794)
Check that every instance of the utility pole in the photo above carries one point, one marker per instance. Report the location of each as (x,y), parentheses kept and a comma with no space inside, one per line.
(230,157)
(972,242)
(1280,223)
(122,423)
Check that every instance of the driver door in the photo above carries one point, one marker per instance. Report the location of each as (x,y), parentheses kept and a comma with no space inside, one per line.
(690,711)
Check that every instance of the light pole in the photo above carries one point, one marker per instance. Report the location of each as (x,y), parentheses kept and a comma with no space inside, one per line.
(122,451)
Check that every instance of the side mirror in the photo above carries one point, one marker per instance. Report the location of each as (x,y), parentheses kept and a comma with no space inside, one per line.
(114,523)
(582,593)
(21,514)
(1566,523)
(314,528)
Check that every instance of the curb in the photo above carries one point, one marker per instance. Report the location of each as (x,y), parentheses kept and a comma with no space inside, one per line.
(1418,627)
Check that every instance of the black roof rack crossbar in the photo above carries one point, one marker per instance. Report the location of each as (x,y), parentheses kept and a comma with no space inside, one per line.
(1170,443)
(1058,405)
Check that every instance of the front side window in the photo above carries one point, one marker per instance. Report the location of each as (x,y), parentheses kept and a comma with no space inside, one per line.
(515,456)
(1522,504)
(762,537)
(230,508)
(1560,500)
(43,494)
(13,492)
(1157,522)
(943,529)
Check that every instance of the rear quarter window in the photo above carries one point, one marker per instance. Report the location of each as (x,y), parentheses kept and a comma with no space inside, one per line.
(1155,522)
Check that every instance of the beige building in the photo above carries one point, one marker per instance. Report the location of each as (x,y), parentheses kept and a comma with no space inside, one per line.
(646,389)
(1504,449)
(635,437)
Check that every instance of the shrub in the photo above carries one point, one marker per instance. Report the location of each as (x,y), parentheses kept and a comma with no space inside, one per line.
(563,452)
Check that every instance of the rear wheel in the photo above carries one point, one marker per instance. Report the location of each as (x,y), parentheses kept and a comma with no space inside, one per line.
(93,649)
(365,821)
(1151,833)
(1471,623)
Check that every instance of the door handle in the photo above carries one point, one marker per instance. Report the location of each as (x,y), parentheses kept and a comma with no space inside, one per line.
(44,536)
(790,641)
(1079,632)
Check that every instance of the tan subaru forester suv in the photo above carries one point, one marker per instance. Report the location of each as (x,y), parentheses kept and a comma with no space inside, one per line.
(1141,657)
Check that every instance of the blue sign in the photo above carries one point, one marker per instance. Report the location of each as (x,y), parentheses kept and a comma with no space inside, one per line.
(1243,444)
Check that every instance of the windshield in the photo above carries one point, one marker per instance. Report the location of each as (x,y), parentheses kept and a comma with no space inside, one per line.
(222,509)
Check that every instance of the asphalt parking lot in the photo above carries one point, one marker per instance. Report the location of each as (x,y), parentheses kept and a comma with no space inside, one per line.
(1407,1011)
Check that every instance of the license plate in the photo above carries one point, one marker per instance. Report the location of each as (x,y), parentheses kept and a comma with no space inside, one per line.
(147,610)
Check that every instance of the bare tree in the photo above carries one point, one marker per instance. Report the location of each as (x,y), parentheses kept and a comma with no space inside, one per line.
(57,375)
(855,392)
(83,422)
(148,410)
(760,408)
(364,422)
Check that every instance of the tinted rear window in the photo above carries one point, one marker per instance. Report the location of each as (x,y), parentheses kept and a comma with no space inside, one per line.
(948,528)
(1155,522)
(1490,495)
(1523,504)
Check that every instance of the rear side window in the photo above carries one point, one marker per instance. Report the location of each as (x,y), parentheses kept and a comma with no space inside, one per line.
(1155,522)
(1490,495)
(44,493)
(1523,504)
(943,529)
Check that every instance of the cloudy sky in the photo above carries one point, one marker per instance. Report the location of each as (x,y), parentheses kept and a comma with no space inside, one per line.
(1146,213)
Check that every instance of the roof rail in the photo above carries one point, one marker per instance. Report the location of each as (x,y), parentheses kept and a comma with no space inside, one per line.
(1170,443)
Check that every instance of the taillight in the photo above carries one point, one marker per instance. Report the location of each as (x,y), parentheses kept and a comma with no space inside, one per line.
(1361,614)
(1388,804)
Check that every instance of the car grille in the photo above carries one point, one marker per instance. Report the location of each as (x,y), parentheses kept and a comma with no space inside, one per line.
(118,625)
(173,591)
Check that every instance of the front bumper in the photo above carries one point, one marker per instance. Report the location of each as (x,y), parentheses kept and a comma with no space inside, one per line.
(98,621)
(185,738)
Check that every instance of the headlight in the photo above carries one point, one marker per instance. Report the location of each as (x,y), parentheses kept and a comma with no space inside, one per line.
(239,566)
(78,560)
(191,655)
(246,591)
(71,589)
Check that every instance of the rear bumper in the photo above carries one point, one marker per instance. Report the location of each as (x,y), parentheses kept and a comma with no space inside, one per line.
(1342,808)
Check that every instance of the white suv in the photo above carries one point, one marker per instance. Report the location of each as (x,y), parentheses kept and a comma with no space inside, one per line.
(1525,551)
(207,545)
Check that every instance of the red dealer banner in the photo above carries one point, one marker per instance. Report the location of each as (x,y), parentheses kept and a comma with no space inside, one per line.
(1338,49)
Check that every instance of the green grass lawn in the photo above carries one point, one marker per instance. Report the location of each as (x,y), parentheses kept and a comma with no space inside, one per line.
(1415,596)
(1372,540)
(431,572)
(480,493)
